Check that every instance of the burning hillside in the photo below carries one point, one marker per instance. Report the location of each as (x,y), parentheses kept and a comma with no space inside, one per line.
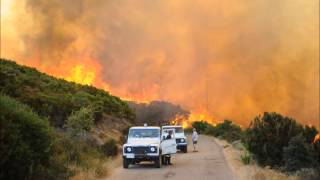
(218,59)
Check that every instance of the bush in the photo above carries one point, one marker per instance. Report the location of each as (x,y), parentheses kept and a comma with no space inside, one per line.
(228,131)
(225,130)
(26,141)
(268,135)
(201,126)
(298,154)
(110,148)
(80,121)
(246,158)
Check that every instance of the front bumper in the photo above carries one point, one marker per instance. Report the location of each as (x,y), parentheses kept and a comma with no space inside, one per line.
(141,157)
(181,145)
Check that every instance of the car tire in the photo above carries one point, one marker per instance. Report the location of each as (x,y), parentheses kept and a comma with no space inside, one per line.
(162,160)
(185,149)
(125,163)
(158,162)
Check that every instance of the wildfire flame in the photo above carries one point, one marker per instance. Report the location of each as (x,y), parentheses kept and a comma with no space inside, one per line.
(222,57)
(78,75)
(186,121)
(316,138)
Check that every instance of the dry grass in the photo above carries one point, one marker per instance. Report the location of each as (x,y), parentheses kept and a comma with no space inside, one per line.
(99,168)
(251,171)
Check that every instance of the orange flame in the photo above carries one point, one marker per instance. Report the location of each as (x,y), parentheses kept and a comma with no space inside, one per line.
(316,138)
(78,75)
(186,121)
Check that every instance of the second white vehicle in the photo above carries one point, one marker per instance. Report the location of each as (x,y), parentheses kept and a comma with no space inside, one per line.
(180,137)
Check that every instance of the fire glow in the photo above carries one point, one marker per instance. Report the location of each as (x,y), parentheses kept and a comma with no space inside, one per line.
(219,60)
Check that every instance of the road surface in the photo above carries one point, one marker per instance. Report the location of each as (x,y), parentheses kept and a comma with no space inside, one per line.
(207,163)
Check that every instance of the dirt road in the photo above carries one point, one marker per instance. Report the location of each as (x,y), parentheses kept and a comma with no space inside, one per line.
(207,163)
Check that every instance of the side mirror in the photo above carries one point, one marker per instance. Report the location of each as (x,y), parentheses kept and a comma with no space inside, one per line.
(163,137)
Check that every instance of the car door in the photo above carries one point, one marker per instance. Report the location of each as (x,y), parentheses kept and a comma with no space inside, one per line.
(168,146)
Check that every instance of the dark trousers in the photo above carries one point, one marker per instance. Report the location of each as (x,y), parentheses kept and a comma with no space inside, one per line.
(167,159)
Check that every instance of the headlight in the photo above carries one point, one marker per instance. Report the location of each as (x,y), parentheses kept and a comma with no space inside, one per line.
(182,140)
(129,149)
(152,149)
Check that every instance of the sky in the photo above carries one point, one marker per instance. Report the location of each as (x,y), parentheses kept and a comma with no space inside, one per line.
(219,59)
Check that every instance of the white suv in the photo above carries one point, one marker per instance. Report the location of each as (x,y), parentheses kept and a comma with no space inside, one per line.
(181,139)
(146,144)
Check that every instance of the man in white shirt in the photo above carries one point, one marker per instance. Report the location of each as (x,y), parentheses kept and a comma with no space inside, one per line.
(194,139)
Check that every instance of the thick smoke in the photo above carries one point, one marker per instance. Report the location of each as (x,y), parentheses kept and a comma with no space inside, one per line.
(229,59)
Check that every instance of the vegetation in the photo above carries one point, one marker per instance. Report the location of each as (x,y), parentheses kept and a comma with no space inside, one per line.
(202,126)
(80,121)
(56,98)
(246,158)
(272,140)
(298,154)
(225,130)
(46,124)
(26,141)
(110,148)
(267,136)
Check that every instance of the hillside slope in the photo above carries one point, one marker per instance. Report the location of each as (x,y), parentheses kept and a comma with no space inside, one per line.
(82,125)
(56,98)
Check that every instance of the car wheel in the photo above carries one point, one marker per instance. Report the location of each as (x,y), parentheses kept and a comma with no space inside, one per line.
(158,162)
(125,163)
(185,149)
(162,160)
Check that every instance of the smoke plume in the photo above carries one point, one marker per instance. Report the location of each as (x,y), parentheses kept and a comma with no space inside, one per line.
(226,59)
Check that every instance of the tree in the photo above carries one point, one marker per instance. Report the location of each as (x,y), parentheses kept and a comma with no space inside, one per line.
(268,135)
(26,141)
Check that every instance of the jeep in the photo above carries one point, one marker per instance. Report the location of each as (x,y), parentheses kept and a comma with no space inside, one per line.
(146,144)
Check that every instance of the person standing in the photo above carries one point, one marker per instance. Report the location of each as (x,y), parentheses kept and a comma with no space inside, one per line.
(167,157)
(194,139)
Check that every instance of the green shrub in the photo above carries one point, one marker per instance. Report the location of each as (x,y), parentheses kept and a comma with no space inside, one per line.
(298,154)
(245,158)
(80,121)
(56,98)
(110,148)
(268,135)
(225,130)
(200,126)
(228,131)
(26,141)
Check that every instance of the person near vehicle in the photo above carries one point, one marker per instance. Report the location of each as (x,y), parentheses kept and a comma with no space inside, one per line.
(167,157)
(194,139)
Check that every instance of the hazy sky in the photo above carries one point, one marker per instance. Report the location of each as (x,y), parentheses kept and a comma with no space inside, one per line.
(238,58)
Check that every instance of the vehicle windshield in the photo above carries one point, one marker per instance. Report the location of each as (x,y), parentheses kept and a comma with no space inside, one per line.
(144,133)
(179,130)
